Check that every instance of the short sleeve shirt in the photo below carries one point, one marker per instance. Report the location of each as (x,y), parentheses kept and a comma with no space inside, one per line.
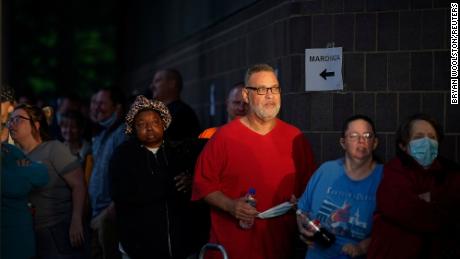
(277,165)
(344,206)
(53,203)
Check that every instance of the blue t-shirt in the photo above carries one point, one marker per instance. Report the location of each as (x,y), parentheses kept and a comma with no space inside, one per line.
(99,184)
(342,205)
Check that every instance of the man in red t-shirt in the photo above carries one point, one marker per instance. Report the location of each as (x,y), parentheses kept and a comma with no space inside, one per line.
(256,151)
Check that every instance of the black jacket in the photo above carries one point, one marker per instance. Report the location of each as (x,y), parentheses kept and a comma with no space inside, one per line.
(184,124)
(154,220)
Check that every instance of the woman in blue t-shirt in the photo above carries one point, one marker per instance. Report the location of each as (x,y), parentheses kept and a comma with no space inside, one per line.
(340,196)
(19,176)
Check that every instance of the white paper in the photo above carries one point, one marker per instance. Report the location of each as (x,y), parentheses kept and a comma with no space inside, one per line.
(276,211)
(323,69)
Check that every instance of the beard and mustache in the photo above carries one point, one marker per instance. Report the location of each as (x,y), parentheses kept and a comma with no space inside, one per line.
(265,111)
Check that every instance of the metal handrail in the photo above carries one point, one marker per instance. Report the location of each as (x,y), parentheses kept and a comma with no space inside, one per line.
(212,246)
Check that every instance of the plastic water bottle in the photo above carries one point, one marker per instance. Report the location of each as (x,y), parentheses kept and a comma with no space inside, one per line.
(321,235)
(251,201)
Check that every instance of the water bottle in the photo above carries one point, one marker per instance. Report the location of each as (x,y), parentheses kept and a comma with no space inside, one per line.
(251,201)
(321,236)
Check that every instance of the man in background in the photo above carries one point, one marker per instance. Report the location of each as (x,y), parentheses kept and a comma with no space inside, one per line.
(167,86)
(109,115)
(236,107)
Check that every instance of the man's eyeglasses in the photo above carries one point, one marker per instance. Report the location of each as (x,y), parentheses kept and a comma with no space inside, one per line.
(16,119)
(356,136)
(264,90)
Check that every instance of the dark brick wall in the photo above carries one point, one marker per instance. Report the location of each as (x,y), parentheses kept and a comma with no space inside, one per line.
(395,64)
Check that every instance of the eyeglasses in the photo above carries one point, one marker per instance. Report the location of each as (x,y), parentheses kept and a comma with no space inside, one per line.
(356,136)
(264,90)
(16,119)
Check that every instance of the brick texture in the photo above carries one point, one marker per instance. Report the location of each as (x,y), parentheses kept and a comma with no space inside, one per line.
(342,109)
(365,104)
(365,32)
(410,31)
(322,31)
(354,72)
(388,31)
(376,72)
(395,63)
(344,31)
(386,112)
(433,30)
(409,103)
(321,112)
(422,71)
(399,71)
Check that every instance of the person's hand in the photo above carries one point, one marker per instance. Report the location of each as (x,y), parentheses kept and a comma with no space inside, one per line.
(425,196)
(111,213)
(76,233)
(306,234)
(307,240)
(293,201)
(183,182)
(352,250)
(241,210)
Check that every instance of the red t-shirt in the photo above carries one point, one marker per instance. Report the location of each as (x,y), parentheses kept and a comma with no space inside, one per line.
(277,165)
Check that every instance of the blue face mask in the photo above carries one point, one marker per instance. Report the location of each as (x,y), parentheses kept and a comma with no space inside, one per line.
(424,150)
(108,122)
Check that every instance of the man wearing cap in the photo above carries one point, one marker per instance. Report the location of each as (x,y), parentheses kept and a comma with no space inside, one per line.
(8,104)
(257,151)
(151,195)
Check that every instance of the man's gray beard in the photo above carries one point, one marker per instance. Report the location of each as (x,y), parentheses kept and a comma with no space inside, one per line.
(262,114)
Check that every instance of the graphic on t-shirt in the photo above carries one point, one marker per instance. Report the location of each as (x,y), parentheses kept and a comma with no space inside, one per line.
(342,219)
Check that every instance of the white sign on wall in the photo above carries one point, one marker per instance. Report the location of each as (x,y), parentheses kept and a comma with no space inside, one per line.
(323,69)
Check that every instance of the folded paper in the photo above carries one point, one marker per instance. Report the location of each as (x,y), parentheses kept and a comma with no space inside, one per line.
(276,211)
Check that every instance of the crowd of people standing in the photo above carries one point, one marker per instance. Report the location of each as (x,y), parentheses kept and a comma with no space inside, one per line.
(138,180)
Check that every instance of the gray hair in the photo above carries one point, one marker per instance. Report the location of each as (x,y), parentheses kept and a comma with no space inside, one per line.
(256,69)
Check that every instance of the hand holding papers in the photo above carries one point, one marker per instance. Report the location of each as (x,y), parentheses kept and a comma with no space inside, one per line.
(276,211)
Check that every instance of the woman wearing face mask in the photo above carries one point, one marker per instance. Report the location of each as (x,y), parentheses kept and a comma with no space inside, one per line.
(418,199)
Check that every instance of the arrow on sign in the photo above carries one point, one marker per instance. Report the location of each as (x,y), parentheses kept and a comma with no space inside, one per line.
(326,74)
